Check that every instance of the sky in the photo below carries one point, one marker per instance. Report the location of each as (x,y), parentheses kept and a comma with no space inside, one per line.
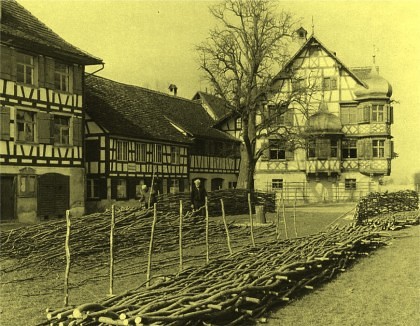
(150,43)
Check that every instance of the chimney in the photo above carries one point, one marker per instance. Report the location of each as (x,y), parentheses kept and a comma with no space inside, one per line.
(173,89)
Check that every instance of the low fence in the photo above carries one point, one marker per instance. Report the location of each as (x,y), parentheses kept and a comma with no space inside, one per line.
(386,202)
(236,201)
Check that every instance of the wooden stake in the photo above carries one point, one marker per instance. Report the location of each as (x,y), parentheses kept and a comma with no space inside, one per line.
(294,214)
(180,236)
(226,227)
(149,260)
(278,219)
(111,252)
(207,232)
(250,219)
(284,217)
(67,273)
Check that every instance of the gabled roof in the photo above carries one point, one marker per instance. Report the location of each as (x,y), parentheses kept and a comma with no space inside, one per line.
(136,112)
(20,29)
(313,40)
(219,107)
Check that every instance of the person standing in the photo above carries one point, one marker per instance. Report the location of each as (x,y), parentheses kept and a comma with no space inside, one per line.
(147,197)
(198,197)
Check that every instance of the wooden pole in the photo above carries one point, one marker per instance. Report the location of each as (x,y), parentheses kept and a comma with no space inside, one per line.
(250,219)
(68,261)
(294,214)
(284,217)
(180,236)
(278,219)
(149,261)
(226,227)
(207,232)
(151,188)
(111,252)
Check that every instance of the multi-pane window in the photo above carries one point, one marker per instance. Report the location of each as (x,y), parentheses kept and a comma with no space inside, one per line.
(298,84)
(141,152)
(27,185)
(92,188)
(121,188)
(378,148)
(323,148)
(175,154)
(238,124)
(378,113)
(312,148)
(24,68)
(25,125)
(61,130)
(334,148)
(61,77)
(329,83)
(122,150)
(349,148)
(350,184)
(277,150)
(276,184)
(348,114)
(280,115)
(157,154)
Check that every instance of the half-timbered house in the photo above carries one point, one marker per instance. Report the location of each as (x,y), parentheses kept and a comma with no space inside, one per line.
(137,136)
(41,145)
(345,124)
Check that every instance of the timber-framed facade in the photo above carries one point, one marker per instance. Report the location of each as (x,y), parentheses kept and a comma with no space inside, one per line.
(41,145)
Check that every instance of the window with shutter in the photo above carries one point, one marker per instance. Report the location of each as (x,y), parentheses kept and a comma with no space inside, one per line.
(361,148)
(323,148)
(77,79)
(387,148)
(77,131)
(363,113)
(61,130)
(7,67)
(49,73)
(4,123)
(25,123)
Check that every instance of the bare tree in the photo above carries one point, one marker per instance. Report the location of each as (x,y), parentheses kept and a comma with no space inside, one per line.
(240,57)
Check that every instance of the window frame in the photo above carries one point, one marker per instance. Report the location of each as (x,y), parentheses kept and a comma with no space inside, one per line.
(158,153)
(329,83)
(349,146)
(64,76)
(121,185)
(346,112)
(279,149)
(378,149)
(350,184)
(61,128)
(238,123)
(121,149)
(25,124)
(92,184)
(175,155)
(378,113)
(26,66)
(277,184)
(140,152)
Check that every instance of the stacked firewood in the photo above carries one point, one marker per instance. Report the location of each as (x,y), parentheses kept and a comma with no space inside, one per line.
(233,289)
(235,201)
(377,203)
(394,221)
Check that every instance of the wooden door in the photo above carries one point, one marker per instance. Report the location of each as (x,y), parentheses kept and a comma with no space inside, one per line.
(53,195)
(7,198)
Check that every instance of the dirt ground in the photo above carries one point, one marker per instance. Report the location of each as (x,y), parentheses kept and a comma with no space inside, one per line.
(27,293)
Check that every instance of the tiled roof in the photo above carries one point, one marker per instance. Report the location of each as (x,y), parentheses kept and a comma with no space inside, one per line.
(136,112)
(20,29)
(218,105)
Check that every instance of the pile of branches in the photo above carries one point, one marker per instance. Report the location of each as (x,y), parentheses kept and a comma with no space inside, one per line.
(235,201)
(376,203)
(41,246)
(233,289)
(394,221)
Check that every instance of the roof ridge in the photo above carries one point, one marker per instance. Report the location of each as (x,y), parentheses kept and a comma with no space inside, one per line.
(143,88)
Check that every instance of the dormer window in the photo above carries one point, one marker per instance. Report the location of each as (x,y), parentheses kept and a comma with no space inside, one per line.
(61,76)
(24,68)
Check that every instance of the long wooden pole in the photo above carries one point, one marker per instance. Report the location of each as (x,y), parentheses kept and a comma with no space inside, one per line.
(68,261)
(278,218)
(284,217)
(180,236)
(151,188)
(226,227)
(207,232)
(149,260)
(294,214)
(251,223)
(111,252)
